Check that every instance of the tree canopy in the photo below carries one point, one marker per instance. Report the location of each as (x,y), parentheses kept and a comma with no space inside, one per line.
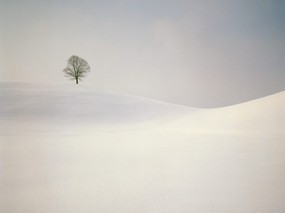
(76,69)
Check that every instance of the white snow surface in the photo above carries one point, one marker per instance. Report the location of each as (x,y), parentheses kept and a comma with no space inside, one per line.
(67,148)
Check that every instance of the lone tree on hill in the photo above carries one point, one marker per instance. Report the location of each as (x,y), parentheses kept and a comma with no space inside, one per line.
(77,68)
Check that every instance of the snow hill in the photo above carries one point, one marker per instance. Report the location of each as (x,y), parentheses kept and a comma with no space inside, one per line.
(72,104)
(67,148)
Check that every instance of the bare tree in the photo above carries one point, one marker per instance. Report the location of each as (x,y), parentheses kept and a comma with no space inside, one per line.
(77,68)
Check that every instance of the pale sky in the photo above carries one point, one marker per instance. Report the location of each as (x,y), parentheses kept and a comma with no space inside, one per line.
(198,53)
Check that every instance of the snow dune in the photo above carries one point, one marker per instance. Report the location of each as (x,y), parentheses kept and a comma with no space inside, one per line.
(77,105)
(65,148)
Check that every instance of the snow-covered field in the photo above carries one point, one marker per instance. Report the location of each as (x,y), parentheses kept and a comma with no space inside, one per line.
(67,148)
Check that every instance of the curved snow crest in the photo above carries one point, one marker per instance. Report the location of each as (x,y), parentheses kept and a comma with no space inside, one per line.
(78,105)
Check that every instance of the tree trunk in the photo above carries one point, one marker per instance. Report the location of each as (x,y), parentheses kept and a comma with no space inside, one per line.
(76,80)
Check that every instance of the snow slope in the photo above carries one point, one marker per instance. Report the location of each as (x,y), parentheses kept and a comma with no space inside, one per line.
(65,148)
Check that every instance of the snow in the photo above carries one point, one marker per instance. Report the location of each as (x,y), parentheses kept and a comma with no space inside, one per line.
(67,148)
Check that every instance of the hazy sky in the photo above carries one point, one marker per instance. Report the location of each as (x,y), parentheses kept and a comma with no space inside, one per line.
(200,53)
